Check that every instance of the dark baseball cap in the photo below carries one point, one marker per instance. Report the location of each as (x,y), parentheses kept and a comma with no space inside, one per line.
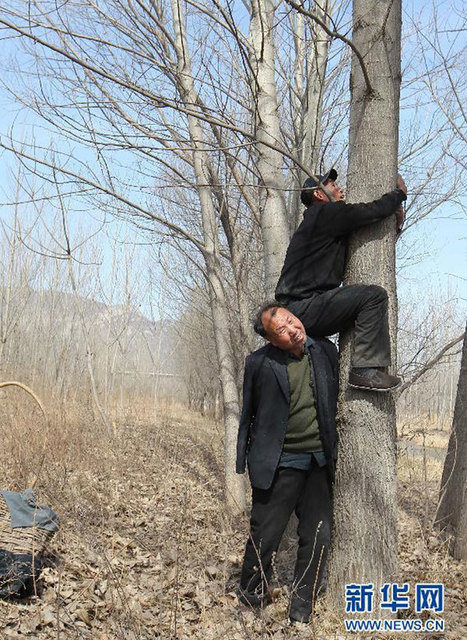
(312,184)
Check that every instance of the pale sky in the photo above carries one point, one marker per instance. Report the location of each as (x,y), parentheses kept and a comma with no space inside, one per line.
(438,244)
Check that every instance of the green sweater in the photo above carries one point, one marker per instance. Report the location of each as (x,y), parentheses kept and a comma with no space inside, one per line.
(302,427)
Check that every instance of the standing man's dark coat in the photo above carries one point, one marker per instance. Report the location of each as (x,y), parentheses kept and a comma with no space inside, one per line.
(266,398)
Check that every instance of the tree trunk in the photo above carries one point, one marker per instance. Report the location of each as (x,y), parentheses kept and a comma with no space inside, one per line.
(451,516)
(234,485)
(365,536)
(270,162)
(307,99)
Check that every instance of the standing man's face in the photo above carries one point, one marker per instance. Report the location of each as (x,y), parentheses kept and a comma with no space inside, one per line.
(284,330)
(334,189)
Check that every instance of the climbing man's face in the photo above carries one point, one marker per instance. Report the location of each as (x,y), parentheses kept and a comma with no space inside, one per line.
(284,330)
(333,189)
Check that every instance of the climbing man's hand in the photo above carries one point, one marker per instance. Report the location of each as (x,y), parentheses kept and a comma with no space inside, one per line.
(400,217)
(401,184)
(400,211)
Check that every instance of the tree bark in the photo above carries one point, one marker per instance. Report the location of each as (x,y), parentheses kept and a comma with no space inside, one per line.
(274,225)
(307,99)
(234,485)
(451,516)
(365,536)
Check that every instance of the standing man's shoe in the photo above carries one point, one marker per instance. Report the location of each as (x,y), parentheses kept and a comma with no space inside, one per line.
(253,598)
(302,618)
(371,379)
(300,610)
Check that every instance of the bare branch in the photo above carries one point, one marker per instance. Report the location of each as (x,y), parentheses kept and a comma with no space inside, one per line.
(339,36)
(431,363)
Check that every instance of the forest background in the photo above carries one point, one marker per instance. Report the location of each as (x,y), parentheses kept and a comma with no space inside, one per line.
(148,152)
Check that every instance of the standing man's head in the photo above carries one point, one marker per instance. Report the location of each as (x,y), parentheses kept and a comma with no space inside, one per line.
(280,327)
(312,193)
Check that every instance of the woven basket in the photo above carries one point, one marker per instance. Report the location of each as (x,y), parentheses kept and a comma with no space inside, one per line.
(31,540)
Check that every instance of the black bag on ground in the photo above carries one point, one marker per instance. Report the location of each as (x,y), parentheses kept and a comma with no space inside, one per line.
(18,574)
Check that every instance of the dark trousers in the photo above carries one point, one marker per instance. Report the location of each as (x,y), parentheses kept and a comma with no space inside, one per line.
(358,305)
(309,493)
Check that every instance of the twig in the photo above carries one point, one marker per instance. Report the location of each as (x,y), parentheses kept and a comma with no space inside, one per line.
(28,390)
(431,363)
(14,383)
(339,36)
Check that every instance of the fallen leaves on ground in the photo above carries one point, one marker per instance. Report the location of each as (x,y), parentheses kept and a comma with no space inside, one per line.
(146,549)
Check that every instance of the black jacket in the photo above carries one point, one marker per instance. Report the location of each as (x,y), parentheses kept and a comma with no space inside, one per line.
(315,259)
(266,399)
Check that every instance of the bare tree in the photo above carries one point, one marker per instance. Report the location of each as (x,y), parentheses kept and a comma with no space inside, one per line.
(307,92)
(189,137)
(185,115)
(365,539)
(451,516)
(273,206)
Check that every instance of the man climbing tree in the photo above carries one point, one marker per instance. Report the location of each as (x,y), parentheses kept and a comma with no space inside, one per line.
(314,269)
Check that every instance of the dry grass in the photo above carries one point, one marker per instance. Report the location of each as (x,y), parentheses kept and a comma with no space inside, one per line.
(146,549)
(425,430)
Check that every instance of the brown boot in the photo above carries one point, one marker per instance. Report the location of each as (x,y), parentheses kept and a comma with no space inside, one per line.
(371,379)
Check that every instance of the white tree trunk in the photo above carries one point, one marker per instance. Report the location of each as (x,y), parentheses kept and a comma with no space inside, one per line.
(234,486)
(315,69)
(270,162)
(307,99)
(365,535)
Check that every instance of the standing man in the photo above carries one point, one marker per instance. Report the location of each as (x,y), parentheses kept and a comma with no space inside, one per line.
(287,435)
(310,281)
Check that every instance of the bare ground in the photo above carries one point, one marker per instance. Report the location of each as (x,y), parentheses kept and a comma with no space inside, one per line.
(146,549)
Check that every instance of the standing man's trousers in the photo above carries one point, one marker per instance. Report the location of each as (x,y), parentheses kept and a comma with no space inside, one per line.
(364,306)
(309,494)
